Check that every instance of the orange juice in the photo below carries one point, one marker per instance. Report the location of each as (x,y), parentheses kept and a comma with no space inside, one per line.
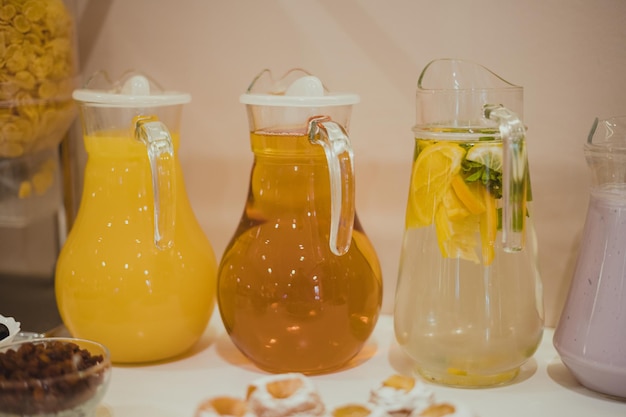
(287,302)
(113,285)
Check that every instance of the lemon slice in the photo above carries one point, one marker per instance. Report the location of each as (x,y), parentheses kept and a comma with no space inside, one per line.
(469,195)
(455,208)
(432,173)
(488,154)
(457,239)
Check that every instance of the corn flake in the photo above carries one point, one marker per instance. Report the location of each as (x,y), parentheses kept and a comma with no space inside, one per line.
(34,11)
(21,23)
(7,12)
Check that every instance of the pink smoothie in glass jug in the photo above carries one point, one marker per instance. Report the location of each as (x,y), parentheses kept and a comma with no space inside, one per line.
(591,334)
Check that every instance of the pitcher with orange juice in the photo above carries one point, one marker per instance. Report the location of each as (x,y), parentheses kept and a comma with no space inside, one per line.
(299,284)
(137,272)
(468,306)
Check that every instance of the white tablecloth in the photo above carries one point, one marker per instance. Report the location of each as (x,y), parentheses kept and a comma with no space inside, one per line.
(214,367)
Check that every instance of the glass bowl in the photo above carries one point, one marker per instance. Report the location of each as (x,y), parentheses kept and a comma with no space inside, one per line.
(57,376)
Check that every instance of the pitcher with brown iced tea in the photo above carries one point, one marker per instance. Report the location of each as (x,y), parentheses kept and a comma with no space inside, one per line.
(299,284)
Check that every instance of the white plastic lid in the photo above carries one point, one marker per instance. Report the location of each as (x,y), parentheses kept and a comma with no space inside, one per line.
(306,91)
(135,92)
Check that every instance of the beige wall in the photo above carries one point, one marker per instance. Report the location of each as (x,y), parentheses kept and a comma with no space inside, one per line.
(569,55)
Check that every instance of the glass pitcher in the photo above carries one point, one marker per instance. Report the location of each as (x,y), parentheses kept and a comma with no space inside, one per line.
(590,336)
(299,284)
(468,306)
(137,272)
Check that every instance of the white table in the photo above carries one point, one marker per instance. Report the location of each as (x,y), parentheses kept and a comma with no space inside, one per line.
(214,367)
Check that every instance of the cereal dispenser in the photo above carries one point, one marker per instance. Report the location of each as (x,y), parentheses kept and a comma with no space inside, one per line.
(38,72)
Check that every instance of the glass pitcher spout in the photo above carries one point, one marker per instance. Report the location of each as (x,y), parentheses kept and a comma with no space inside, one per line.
(453,92)
(605,152)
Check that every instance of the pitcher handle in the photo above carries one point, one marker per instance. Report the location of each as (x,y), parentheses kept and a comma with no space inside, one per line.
(336,143)
(514,175)
(158,141)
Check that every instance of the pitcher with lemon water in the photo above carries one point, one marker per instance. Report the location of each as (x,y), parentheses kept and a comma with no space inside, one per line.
(468,308)
(137,272)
